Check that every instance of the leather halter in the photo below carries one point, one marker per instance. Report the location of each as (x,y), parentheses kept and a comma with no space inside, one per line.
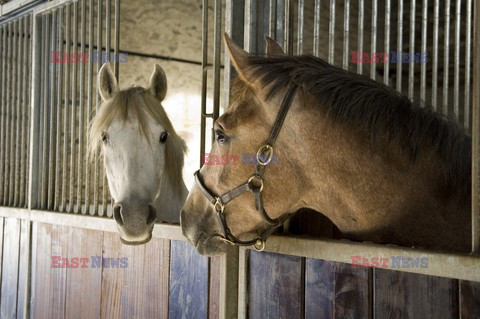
(254,184)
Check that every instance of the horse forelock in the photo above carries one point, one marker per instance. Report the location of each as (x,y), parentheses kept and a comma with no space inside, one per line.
(134,104)
(372,108)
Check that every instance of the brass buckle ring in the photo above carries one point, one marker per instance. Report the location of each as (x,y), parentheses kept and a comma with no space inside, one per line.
(219,207)
(265,150)
(253,177)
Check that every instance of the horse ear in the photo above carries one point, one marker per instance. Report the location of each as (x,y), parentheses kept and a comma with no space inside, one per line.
(239,58)
(107,83)
(158,83)
(273,48)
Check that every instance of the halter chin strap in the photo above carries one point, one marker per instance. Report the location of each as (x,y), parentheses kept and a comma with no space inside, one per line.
(254,184)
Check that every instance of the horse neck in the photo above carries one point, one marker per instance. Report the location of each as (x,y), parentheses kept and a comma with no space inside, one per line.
(170,202)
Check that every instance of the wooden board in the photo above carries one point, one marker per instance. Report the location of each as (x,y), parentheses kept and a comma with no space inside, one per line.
(214,287)
(11,242)
(469,299)
(84,285)
(335,290)
(407,295)
(23,302)
(141,289)
(188,282)
(50,283)
(275,286)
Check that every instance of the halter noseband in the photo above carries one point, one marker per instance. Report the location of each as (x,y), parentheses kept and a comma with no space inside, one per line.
(254,184)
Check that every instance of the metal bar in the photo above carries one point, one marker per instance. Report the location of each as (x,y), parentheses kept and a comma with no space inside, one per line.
(108,25)
(316,29)
(28,108)
(96,173)
(331,33)
(373,41)
(287,37)
(58,142)
(468,61)
(117,37)
(203,106)
(300,26)
(3,117)
(456,61)
(13,96)
(44,114)
(18,117)
(81,115)
(361,12)
(272,17)
(91,22)
(346,34)
(74,109)
(399,44)
(476,132)
(243,262)
(423,66)
(66,130)
(24,112)
(52,121)
(446,48)
(436,18)
(411,66)
(249,38)
(386,45)
(217,49)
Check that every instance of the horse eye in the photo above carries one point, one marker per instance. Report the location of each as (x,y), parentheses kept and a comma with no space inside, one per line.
(104,138)
(163,137)
(220,137)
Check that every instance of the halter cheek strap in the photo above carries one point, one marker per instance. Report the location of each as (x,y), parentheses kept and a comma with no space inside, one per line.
(254,184)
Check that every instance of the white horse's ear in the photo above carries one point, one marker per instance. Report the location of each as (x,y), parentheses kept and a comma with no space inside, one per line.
(239,59)
(107,83)
(158,83)
(273,48)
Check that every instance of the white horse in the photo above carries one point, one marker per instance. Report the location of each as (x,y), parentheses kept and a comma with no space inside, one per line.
(142,153)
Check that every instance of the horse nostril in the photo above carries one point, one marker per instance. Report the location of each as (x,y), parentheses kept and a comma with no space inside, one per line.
(117,214)
(152,215)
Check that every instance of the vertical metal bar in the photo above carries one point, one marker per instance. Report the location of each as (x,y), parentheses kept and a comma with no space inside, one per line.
(423,66)
(476,131)
(89,105)
(243,262)
(66,107)
(23,112)
(203,120)
(3,105)
(108,25)
(74,109)
(217,50)
(468,61)
(386,45)
(13,79)
(436,18)
(346,34)
(117,37)
(58,142)
(331,32)
(52,121)
(287,30)
(6,108)
(250,22)
(96,177)
(44,114)
(316,29)
(18,117)
(399,44)
(28,40)
(361,12)
(373,42)
(81,114)
(456,61)
(300,26)
(99,48)
(446,48)
(272,17)
(411,66)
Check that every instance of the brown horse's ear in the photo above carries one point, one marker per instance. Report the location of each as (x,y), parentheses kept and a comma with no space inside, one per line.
(107,83)
(273,48)
(158,83)
(239,59)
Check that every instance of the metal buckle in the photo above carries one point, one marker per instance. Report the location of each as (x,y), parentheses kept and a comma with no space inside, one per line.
(259,245)
(253,177)
(265,150)
(219,207)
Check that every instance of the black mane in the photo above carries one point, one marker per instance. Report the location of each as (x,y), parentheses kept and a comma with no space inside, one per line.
(373,108)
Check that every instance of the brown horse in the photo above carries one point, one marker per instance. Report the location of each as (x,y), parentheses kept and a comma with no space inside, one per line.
(381,167)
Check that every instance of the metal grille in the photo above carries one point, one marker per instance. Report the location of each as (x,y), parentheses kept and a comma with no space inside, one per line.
(15,67)
(333,29)
(64,179)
